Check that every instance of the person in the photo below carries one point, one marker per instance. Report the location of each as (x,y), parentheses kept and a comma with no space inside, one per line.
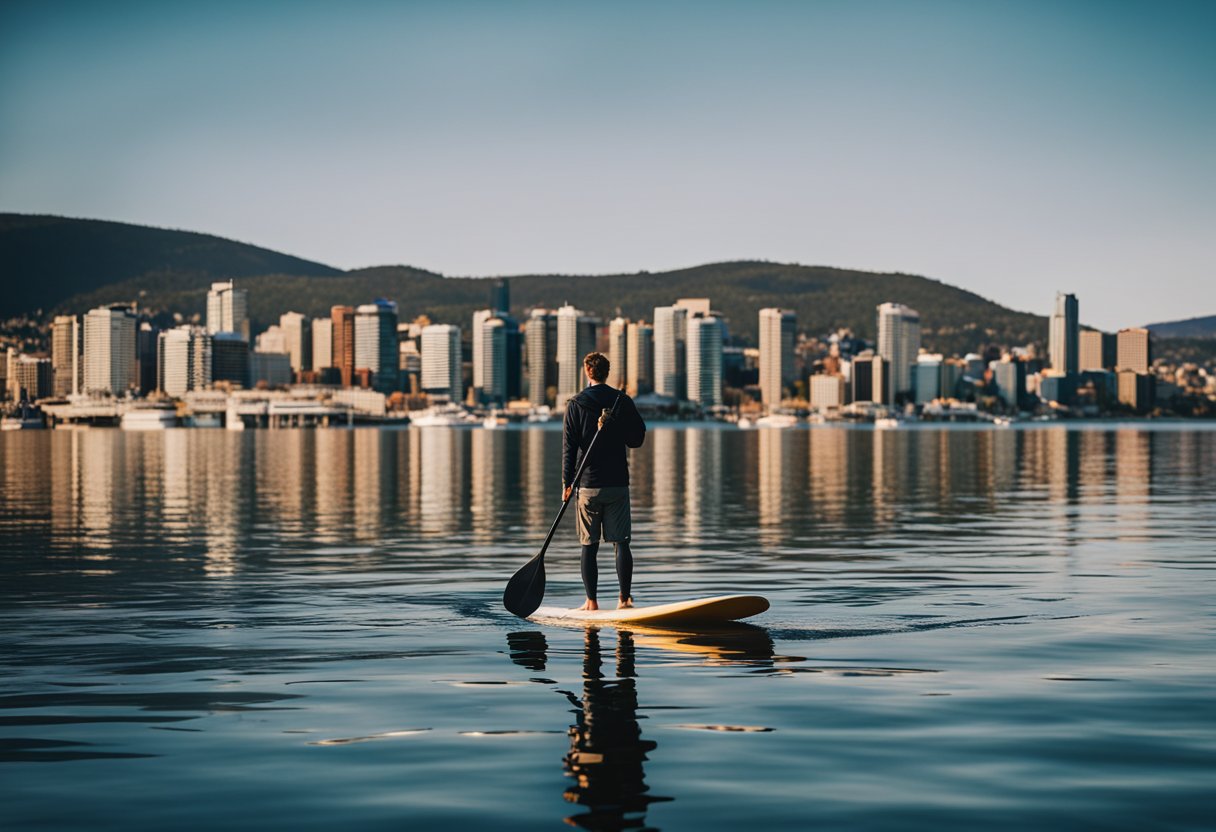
(603,489)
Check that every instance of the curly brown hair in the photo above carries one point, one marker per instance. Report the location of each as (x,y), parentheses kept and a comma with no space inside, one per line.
(596,364)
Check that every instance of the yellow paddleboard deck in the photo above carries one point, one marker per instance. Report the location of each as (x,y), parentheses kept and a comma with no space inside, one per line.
(700,611)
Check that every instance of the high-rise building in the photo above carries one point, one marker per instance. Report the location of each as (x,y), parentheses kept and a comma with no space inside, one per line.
(826,391)
(1134,352)
(694,306)
(778,334)
(66,359)
(109,350)
(269,369)
(618,352)
(500,296)
(493,361)
(322,343)
(8,370)
(1136,389)
(1010,379)
(1064,337)
(147,340)
(898,344)
(34,378)
(670,362)
(230,359)
(927,378)
(376,343)
(227,309)
(541,335)
(1096,351)
(441,361)
(866,377)
(274,339)
(704,352)
(184,360)
(576,336)
(479,320)
(639,350)
(343,318)
(298,334)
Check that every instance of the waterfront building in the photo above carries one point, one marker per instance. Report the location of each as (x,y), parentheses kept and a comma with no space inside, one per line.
(272,369)
(1064,335)
(32,378)
(1058,388)
(376,343)
(227,309)
(704,348)
(1009,376)
(1096,351)
(778,335)
(8,371)
(183,360)
(322,344)
(230,359)
(541,335)
(298,335)
(694,306)
(670,367)
(500,297)
(1134,352)
(272,340)
(490,362)
(441,361)
(927,378)
(147,340)
(618,352)
(1136,390)
(866,377)
(639,351)
(974,366)
(109,350)
(343,341)
(66,358)
(827,392)
(898,344)
(576,336)
(479,319)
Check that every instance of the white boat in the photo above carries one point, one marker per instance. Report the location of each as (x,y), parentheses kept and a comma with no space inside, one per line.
(540,413)
(25,418)
(494,421)
(886,423)
(777,420)
(149,418)
(744,423)
(1002,421)
(443,416)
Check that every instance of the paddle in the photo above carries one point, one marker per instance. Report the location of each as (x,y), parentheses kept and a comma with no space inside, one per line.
(526,589)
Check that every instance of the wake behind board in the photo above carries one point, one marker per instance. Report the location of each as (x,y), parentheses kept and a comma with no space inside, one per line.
(699,611)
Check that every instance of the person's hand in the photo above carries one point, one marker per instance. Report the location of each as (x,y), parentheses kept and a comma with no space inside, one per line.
(566,493)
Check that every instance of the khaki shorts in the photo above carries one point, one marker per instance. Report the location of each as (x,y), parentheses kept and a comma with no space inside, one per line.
(604,511)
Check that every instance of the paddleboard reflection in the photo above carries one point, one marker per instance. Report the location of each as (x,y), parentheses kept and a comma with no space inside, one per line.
(607,750)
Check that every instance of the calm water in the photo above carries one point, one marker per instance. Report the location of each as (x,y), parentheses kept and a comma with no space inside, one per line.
(301,630)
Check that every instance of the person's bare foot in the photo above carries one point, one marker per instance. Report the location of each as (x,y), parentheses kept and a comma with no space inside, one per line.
(590,605)
(624,604)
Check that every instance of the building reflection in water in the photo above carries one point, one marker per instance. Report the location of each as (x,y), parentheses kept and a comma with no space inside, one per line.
(668,486)
(702,482)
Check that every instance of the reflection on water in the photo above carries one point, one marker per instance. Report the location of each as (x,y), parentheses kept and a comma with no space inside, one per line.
(1000,627)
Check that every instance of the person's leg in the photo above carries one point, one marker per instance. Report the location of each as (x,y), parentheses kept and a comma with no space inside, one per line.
(590,574)
(624,573)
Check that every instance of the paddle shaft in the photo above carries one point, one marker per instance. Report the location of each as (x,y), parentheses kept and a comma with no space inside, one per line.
(577,476)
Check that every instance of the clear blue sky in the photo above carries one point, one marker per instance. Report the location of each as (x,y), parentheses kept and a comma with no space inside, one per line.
(1014,149)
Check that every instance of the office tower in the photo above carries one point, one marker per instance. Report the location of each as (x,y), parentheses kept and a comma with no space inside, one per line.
(66,343)
(576,335)
(694,306)
(898,344)
(827,392)
(322,343)
(639,350)
(343,342)
(1010,379)
(109,350)
(927,378)
(500,296)
(618,352)
(1064,335)
(479,320)
(493,362)
(867,377)
(227,309)
(974,365)
(778,333)
(409,364)
(704,351)
(541,335)
(272,340)
(376,343)
(1134,352)
(441,361)
(514,345)
(147,340)
(670,368)
(230,359)
(33,378)
(8,369)
(269,369)
(298,334)
(1136,390)
(1097,351)
(184,360)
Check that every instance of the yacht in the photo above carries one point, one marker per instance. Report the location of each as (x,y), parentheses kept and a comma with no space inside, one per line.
(149,418)
(443,416)
(777,420)
(886,423)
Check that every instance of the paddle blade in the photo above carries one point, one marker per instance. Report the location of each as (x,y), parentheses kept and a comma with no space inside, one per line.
(526,589)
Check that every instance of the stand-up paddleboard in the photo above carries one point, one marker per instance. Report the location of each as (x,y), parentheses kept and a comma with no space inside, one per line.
(700,611)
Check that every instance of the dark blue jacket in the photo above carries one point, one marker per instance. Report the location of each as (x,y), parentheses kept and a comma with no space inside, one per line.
(608,465)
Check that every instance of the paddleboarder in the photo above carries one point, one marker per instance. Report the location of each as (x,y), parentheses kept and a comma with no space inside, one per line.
(603,489)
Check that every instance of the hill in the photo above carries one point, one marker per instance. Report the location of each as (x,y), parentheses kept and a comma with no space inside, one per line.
(1190,328)
(72,265)
(46,260)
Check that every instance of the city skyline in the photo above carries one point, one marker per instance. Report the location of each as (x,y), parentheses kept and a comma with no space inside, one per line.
(1039,148)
